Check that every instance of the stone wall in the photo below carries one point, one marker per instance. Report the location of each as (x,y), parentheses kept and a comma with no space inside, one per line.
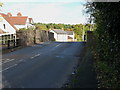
(30,37)
(41,36)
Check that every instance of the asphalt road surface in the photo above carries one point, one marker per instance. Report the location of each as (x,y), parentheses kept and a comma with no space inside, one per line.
(40,66)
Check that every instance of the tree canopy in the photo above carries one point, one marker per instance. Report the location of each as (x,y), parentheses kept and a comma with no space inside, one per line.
(1,4)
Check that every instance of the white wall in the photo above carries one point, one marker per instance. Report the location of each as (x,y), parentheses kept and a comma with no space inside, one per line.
(62,37)
(29,25)
(8,27)
(21,26)
(24,26)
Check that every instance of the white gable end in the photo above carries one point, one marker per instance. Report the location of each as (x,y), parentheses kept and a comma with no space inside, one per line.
(5,26)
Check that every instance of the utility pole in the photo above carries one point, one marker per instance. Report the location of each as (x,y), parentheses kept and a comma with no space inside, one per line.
(90,22)
(83,33)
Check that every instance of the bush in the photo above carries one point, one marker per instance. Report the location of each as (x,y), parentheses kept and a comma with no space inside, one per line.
(107,16)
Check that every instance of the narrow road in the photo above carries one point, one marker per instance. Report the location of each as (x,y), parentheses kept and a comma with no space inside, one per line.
(40,66)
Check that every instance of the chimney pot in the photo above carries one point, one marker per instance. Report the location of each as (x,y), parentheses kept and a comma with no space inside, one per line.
(9,14)
(19,14)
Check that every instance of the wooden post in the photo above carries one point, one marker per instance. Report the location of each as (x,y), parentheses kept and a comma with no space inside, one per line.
(34,36)
(14,40)
(8,44)
(2,39)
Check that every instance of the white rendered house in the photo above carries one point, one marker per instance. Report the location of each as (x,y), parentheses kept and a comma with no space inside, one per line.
(70,35)
(6,25)
(7,29)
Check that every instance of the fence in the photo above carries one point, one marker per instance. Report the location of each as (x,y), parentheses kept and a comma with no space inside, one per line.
(7,40)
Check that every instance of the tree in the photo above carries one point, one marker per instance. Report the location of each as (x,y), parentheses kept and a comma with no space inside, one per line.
(1,4)
(106,16)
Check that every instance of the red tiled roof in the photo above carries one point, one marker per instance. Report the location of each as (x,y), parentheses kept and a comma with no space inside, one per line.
(16,20)
(7,18)
(9,14)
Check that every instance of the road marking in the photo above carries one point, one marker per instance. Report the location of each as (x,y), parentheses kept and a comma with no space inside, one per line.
(9,67)
(57,56)
(57,45)
(31,57)
(60,56)
(8,60)
(35,56)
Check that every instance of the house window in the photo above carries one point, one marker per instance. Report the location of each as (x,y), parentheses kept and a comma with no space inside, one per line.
(4,26)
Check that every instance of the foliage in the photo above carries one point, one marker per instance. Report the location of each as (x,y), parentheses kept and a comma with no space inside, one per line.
(30,28)
(40,26)
(107,16)
(78,28)
(1,4)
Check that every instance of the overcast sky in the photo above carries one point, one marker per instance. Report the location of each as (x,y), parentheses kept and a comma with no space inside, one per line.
(48,11)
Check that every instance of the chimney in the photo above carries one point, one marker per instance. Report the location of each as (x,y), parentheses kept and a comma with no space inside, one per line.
(30,20)
(19,14)
(9,14)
